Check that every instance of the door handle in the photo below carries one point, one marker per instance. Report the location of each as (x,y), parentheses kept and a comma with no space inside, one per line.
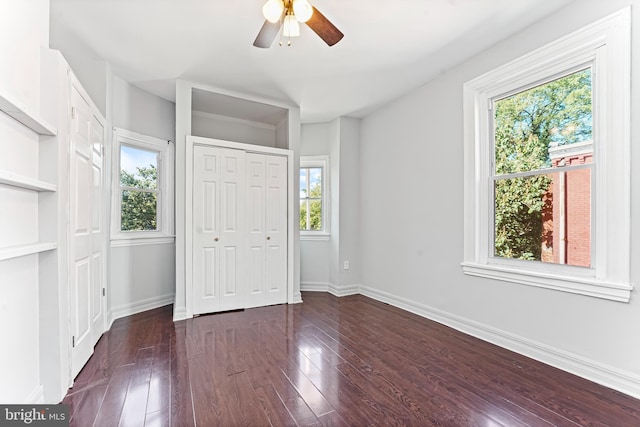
(268,238)
(216,239)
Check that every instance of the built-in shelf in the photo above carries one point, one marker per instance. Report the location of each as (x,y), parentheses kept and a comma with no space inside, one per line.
(21,113)
(23,250)
(21,181)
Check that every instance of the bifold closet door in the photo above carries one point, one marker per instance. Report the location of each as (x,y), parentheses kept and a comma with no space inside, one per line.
(266,278)
(239,235)
(218,229)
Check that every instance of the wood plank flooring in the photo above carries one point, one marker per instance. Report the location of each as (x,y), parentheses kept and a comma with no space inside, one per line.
(330,361)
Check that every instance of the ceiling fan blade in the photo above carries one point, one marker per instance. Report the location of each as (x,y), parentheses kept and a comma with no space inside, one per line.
(267,34)
(324,28)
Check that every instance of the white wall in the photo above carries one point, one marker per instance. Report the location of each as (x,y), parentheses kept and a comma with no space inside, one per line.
(91,70)
(228,129)
(19,359)
(139,111)
(411,206)
(141,277)
(334,240)
(24,31)
(349,199)
(322,261)
(314,254)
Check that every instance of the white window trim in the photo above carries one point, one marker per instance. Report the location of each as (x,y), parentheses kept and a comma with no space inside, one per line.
(319,162)
(165,148)
(605,45)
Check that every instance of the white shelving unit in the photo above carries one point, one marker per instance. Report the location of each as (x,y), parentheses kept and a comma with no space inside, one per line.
(23,250)
(32,120)
(21,113)
(20,181)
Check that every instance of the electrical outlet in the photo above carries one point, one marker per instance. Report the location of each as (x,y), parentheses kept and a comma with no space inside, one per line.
(346,265)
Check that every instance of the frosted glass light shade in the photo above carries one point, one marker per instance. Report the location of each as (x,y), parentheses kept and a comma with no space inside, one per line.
(291,27)
(272,10)
(302,9)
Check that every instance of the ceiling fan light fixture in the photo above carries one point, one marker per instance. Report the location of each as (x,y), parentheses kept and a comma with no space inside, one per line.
(272,10)
(303,10)
(291,28)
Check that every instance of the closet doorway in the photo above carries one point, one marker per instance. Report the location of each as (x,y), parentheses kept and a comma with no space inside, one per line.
(238,225)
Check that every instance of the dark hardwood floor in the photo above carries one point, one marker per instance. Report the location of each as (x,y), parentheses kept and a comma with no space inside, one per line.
(330,361)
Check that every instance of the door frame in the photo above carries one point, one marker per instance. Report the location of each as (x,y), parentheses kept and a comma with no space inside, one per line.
(192,141)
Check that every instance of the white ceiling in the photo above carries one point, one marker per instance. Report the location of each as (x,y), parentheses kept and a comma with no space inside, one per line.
(390,47)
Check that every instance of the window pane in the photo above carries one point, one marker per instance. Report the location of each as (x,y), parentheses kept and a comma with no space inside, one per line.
(303,183)
(138,168)
(315,182)
(311,199)
(548,220)
(138,211)
(303,215)
(315,215)
(530,123)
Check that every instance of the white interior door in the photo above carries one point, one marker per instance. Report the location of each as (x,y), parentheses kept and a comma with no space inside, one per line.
(266,278)
(80,228)
(97,230)
(218,229)
(276,230)
(256,230)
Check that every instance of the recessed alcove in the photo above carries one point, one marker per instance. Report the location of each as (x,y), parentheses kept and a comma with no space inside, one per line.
(219,116)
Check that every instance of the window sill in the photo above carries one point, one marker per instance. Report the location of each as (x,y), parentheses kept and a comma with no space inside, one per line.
(315,236)
(577,285)
(122,241)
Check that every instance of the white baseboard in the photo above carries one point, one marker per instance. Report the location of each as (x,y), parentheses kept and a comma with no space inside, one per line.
(339,291)
(297,298)
(139,306)
(617,379)
(36,396)
(314,287)
(179,314)
(344,290)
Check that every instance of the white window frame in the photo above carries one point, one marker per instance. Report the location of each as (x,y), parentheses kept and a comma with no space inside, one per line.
(164,232)
(605,45)
(319,162)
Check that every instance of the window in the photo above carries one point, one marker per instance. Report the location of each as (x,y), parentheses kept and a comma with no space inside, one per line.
(142,186)
(138,189)
(542,171)
(547,173)
(314,197)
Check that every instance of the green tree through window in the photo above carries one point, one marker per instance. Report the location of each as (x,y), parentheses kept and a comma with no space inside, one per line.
(527,124)
(311,199)
(138,189)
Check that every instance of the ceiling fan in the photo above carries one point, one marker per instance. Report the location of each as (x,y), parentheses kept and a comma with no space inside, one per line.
(287,14)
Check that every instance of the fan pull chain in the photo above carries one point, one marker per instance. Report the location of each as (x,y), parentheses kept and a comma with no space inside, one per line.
(282,36)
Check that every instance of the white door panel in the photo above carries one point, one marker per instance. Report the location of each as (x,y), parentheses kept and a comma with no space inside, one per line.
(276,220)
(86,230)
(267,231)
(80,228)
(256,230)
(206,258)
(97,234)
(218,223)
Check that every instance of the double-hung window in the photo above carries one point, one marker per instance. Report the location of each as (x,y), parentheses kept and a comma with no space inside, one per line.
(547,172)
(142,186)
(314,199)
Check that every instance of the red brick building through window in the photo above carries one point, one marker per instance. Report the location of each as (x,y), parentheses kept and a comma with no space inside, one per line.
(567,214)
